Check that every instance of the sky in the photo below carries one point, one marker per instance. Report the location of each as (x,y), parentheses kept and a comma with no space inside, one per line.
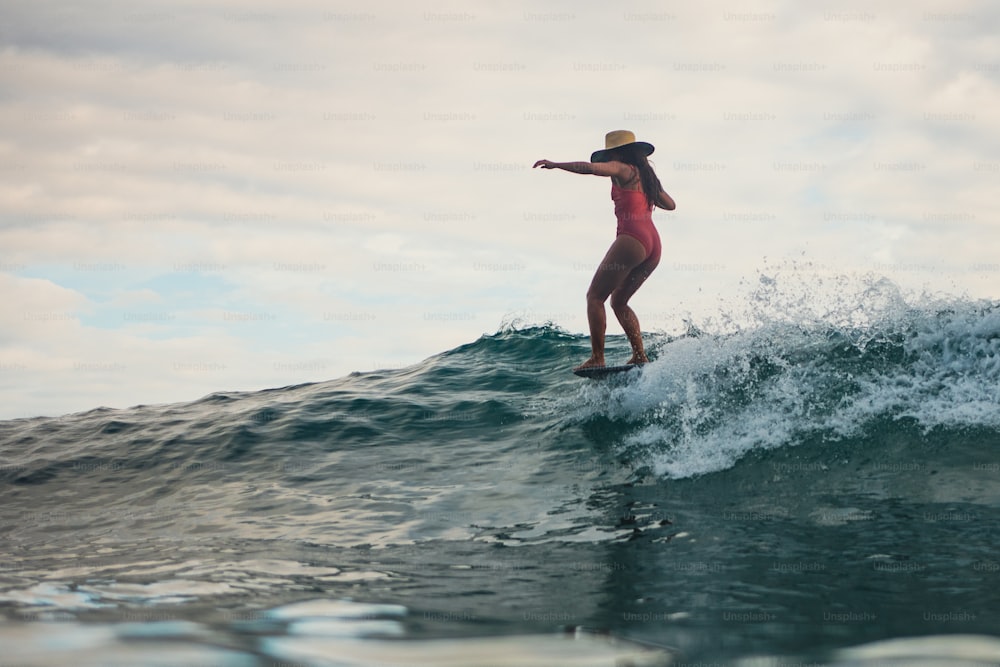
(231,196)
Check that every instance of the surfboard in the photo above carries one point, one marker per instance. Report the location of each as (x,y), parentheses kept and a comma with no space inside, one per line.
(598,372)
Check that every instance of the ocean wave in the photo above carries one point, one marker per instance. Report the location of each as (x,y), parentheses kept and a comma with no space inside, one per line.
(795,368)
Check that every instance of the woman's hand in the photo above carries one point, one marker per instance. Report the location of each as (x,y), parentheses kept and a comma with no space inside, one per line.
(545,164)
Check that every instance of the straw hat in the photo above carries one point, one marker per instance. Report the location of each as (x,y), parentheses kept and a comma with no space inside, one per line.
(617,139)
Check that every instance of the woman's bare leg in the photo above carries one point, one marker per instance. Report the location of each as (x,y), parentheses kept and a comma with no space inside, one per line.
(624,255)
(630,323)
(626,316)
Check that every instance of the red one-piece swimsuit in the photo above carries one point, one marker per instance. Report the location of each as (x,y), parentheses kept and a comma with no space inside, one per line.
(635,218)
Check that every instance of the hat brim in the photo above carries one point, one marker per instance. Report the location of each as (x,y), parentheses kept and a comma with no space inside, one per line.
(604,155)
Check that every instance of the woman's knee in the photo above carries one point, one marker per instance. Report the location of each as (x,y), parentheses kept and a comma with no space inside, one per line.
(596,296)
(619,302)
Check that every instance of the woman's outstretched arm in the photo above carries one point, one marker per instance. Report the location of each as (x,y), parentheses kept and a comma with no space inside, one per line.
(617,169)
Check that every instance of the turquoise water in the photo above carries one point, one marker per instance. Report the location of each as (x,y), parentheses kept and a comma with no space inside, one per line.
(817,488)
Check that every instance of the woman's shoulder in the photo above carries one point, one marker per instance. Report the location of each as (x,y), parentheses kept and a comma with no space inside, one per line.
(625,174)
(628,177)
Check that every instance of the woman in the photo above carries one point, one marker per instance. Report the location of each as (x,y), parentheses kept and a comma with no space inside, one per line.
(635,189)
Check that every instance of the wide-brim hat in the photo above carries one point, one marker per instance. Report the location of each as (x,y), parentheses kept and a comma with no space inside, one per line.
(617,139)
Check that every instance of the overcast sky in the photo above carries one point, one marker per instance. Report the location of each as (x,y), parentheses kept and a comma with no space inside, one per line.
(211,196)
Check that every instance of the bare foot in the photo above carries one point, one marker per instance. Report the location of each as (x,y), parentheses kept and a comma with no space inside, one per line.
(591,363)
(638,359)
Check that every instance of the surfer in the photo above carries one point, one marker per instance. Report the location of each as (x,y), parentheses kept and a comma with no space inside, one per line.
(635,190)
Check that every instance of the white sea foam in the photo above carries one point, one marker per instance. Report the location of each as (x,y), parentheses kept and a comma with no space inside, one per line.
(805,358)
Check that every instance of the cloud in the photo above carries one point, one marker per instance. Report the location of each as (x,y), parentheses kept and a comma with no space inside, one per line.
(223,196)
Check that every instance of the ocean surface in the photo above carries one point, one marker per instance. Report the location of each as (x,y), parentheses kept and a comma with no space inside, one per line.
(813,482)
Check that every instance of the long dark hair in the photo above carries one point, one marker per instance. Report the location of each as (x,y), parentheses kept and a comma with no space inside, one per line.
(634,155)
